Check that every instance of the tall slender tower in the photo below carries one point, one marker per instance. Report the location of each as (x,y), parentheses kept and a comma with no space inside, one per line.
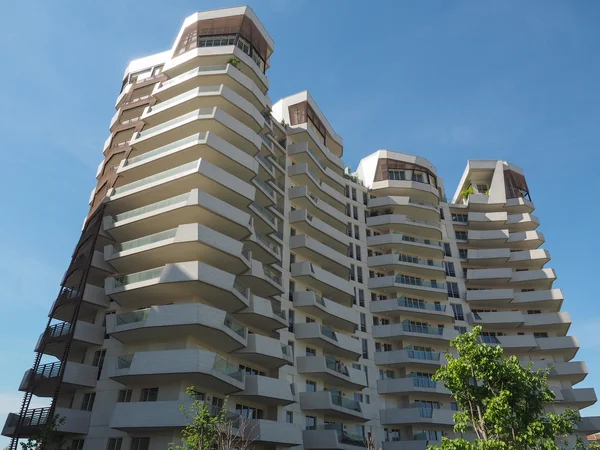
(226,248)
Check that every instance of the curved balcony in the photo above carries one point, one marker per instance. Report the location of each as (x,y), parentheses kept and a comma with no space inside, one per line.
(422,333)
(205,145)
(303,198)
(175,281)
(411,207)
(572,371)
(201,367)
(522,222)
(340,317)
(417,416)
(487,220)
(210,76)
(406,188)
(303,132)
(589,425)
(266,352)
(412,386)
(529,259)
(331,436)
(318,279)
(263,314)
(487,238)
(411,264)
(541,279)
(567,346)
(332,342)
(402,224)
(46,378)
(206,97)
(302,174)
(35,420)
(188,242)
(488,277)
(265,194)
(263,219)
(578,398)
(265,390)
(412,358)
(312,226)
(198,174)
(410,286)
(410,244)
(557,322)
(302,153)
(325,256)
(332,372)
(551,298)
(490,297)
(262,279)
(169,322)
(518,205)
(195,206)
(206,119)
(92,300)
(334,406)
(525,240)
(53,340)
(404,306)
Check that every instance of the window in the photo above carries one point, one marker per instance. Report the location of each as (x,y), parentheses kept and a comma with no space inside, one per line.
(291,315)
(534,311)
(200,396)
(442,217)
(355,212)
(540,335)
(356,366)
(447,250)
(462,218)
(77,444)
(365,349)
(356,232)
(251,370)
(363,322)
(359,274)
(310,351)
(396,175)
(352,277)
(462,253)
(417,176)
(358,397)
(458,311)
(291,290)
(365,198)
(354,194)
(347,191)
(449,269)
(358,253)
(453,406)
(392,435)
(311,423)
(311,386)
(348,210)
(361,298)
(350,251)
(99,358)
(291,345)
(482,188)
(140,443)
(88,401)
(124,396)
(114,444)
(461,235)
(349,229)
(289,417)
(453,290)
(149,395)
(248,412)
(527,290)
(461,330)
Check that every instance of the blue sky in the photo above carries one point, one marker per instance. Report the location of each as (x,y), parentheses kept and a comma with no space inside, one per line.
(448,80)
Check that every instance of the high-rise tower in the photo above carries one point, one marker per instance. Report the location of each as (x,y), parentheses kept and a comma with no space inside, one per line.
(226,248)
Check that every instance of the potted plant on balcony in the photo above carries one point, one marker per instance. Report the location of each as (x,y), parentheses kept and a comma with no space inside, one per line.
(466,192)
(234,62)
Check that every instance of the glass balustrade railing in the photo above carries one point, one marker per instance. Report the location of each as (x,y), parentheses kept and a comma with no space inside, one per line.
(419,282)
(421,261)
(419,240)
(422,222)
(124,361)
(227,368)
(423,329)
(190,74)
(133,317)
(146,240)
(408,302)
(333,364)
(266,162)
(272,275)
(422,203)
(263,184)
(267,242)
(235,326)
(344,402)
(277,310)
(328,332)
(264,212)
(166,148)
(243,290)
(157,177)
(152,207)
(183,97)
(343,436)
(423,382)
(172,122)
(424,355)
(137,277)
(287,350)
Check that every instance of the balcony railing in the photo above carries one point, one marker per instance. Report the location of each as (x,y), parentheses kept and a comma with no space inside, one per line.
(278,311)
(422,222)
(124,361)
(153,178)
(146,240)
(321,163)
(287,350)
(185,96)
(420,240)
(332,364)
(343,436)
(139,276)
(227,368)
(424,382)
(267,242)
(243,290)
(166,148)
(33,418)
(489,340)
(420,304)
(403,279)
(59,329)
(264,212)
(413,201)
(50,370)
(328,332)
(344,402)
(265,161)
(422,261)
(190,74)
(152,207)
(265,186)
(424,355)
(235,326)
(133,316)
(423,329)
(170,123)
(272,275)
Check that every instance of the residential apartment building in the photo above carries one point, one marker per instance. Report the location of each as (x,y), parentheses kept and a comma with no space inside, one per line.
(228,249)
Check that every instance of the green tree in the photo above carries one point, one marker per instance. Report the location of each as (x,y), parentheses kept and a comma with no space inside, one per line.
(47,438)
(499,401)
(211,428)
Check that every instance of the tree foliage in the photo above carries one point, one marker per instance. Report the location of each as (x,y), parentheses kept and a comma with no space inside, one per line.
(500,401)
(47,438)
(211,428)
